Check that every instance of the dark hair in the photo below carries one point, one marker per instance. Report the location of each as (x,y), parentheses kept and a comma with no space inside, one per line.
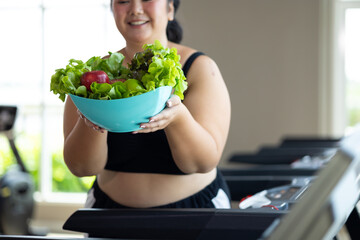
(174,30)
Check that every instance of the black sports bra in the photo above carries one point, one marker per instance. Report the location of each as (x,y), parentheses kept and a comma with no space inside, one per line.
(143,153)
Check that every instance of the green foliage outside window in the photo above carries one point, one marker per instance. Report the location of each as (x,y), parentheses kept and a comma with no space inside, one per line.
(353,103)
(29,154)
(62,179)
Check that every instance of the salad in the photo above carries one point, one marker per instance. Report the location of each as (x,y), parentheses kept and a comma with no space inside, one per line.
(107,78)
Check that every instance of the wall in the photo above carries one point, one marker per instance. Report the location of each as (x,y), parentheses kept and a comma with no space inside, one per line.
(268,52)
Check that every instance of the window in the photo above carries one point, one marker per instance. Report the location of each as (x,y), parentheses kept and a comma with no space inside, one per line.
(340,74)
(351,64)
(37,37)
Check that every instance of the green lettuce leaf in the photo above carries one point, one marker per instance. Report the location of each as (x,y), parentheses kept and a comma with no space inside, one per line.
(154,67)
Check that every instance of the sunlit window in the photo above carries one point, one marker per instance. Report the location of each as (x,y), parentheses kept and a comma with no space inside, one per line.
(352,65)
(37,37)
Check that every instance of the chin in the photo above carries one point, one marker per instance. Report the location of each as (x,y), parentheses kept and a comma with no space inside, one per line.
(140,39)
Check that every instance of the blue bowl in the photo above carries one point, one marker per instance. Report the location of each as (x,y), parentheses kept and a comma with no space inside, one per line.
(126,114)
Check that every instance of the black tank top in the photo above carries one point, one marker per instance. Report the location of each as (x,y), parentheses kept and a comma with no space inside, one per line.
(143,153)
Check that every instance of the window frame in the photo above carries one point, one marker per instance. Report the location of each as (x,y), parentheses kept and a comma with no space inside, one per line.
(332,84)
(44,108)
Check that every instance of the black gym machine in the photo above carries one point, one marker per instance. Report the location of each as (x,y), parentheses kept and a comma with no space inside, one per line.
(16,185)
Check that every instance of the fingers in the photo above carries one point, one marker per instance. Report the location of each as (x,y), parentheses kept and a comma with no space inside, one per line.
(157,122)
(173,101)
(163,119)
(80,114)
(98,129)
(153,126)
(89,123)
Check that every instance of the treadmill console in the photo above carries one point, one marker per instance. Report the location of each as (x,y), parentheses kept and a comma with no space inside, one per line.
(278,198)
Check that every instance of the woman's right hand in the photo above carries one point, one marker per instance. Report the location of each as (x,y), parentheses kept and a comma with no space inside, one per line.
(89,123)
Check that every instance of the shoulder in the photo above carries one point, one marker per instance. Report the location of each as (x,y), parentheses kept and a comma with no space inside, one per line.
(203,70)
(185,52)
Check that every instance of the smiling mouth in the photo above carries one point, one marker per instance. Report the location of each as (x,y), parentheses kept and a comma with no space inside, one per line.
(137,23)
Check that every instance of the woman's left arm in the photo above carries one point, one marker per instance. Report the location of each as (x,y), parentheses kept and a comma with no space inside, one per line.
(197,128)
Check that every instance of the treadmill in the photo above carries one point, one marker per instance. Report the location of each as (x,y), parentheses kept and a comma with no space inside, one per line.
(319,213)
(294,156)
(329,202)
(294,159)
(310,155)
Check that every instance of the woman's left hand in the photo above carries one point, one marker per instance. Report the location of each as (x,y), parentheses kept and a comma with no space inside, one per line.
(164,118)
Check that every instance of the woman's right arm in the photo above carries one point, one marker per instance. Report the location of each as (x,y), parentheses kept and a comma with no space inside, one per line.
(85,149)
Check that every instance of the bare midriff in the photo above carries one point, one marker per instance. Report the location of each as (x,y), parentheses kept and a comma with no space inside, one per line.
(142,190)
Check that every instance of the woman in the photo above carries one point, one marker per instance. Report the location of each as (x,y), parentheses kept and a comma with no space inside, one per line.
(172,161)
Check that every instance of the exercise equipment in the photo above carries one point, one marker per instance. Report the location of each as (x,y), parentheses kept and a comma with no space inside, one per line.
(328,203)
(294,159)
(319,213)
(302,206)
(16,185)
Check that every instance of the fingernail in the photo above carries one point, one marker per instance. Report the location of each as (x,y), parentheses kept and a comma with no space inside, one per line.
(142,126)
(169,103)
(151,120)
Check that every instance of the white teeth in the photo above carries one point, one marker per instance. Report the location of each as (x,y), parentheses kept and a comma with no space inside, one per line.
(138,23)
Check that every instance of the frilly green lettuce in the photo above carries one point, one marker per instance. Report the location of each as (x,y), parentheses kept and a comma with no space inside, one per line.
(154,67)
